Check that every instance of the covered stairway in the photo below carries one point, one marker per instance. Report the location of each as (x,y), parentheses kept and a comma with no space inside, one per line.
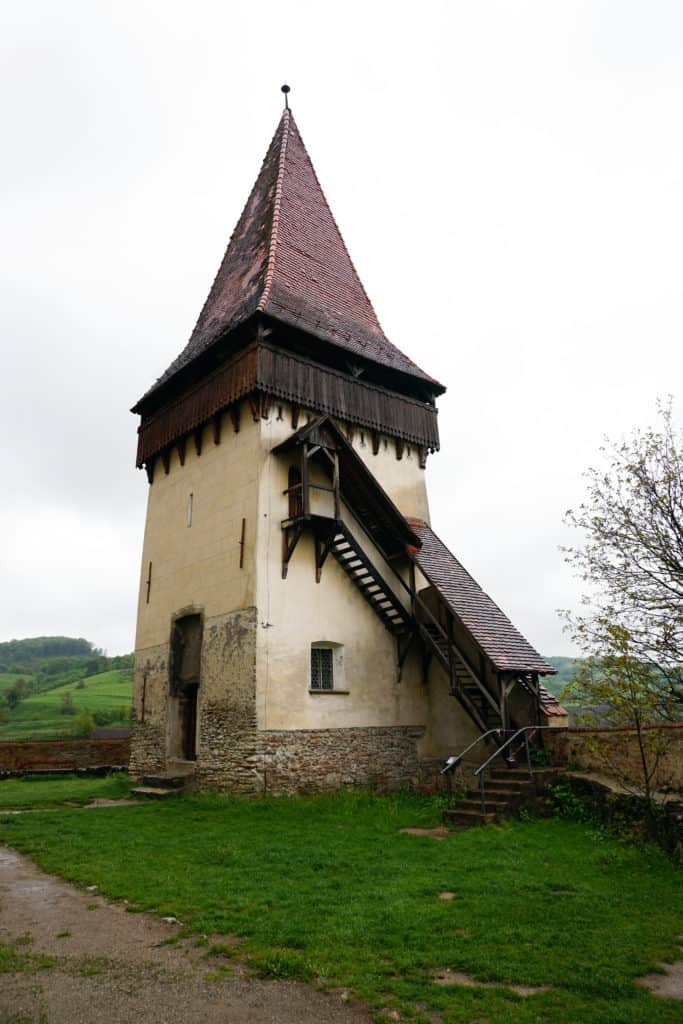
(413,583)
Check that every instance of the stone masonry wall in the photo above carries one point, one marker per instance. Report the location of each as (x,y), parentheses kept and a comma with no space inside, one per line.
(311,760)
(150,708)
(227,754)
(23,755)
(615,752)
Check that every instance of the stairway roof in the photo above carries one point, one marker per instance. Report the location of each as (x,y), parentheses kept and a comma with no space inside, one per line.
(287,259)
(495,634)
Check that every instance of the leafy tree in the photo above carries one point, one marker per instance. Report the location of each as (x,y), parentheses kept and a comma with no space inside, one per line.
(14,694)
(84,724)
(632,556)
(68,707)
(625,690)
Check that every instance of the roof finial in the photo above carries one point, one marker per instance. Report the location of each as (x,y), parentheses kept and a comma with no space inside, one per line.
(285,89)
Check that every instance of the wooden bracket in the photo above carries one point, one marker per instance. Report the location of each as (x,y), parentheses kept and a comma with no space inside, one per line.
(255,407)
(198,435)
(217,428)
(149,469)
(322,550)
(400,444)
(181,444)
(290,538)
(375,441)
(235,416)
(404,645)
(166,460)
(295,415)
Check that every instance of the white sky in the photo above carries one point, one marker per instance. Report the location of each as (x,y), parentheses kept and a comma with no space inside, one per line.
(508,178)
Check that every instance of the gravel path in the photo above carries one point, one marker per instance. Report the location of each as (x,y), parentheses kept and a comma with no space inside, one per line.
(113,966)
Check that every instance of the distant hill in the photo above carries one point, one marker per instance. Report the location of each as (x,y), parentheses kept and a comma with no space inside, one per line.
(565,670)
(33,668)
(33,655)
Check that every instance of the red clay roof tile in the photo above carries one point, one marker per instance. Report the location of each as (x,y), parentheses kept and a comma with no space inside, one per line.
(490,627)
(287,259)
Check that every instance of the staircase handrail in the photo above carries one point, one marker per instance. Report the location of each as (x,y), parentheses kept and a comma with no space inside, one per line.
(525,730)
(482,736)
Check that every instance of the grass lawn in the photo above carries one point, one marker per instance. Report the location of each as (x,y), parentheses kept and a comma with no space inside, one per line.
(8,679)
(36,791)
(40,716)
(326,889)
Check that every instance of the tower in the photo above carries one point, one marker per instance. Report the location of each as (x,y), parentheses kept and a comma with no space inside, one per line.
(299,625)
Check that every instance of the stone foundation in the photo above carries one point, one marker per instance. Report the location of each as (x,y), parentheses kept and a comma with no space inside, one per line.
(312,760)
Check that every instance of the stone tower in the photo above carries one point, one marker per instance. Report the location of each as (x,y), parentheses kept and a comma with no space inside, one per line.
(299,625)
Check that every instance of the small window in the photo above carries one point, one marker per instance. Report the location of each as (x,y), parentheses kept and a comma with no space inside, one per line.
(327,668)
(322,670)
(189,509)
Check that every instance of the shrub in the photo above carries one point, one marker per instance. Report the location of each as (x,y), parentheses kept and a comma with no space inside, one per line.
(84,725)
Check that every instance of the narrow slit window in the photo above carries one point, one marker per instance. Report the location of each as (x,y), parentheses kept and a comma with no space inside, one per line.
(322,675)
(190,500)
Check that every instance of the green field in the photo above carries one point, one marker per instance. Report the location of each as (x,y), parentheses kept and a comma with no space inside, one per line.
(36,791)
(8,679)
(327,890)
(40,715)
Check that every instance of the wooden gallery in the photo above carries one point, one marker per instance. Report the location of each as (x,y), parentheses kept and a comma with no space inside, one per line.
(300,626)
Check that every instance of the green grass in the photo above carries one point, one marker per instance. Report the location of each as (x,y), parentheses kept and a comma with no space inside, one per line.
(8,679)
(40,716)
(326,889)
(35,791)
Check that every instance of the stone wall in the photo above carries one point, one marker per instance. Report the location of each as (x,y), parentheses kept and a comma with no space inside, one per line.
(227,754)
(150,710)
(24,755)
(615,752)
(311,760)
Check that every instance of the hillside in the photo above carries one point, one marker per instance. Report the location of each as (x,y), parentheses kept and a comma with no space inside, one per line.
(107,696)
(37,673)
(565,670)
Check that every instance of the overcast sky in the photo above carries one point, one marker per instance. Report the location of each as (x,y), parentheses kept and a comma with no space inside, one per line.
(507,177)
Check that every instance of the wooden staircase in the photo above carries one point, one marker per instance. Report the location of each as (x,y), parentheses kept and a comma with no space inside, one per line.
(478,701)
(508,792)
(365,577)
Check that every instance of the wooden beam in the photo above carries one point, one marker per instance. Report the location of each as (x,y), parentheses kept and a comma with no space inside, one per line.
(399,448)
(166,460)
(295,415)
(241,542)
(181,449)
(375,441)
(289,544)
(198,435)
(235,416)
(149,469)
(217,421)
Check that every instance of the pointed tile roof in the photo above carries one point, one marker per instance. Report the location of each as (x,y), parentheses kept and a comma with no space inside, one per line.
(287,259)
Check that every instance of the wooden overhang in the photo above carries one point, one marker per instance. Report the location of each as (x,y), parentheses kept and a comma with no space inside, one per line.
(287,276)
(275,373)
(360,491)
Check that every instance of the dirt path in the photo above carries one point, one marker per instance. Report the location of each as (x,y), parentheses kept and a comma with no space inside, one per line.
(113,966)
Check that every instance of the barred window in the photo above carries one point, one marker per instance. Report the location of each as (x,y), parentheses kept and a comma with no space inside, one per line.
(322,677)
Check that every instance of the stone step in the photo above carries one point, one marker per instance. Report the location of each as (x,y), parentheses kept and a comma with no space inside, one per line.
(501,790)
(474,804)
(155,792)
(469,818)
(164,781)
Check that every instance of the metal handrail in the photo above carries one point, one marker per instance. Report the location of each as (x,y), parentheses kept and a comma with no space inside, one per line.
(526,729)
